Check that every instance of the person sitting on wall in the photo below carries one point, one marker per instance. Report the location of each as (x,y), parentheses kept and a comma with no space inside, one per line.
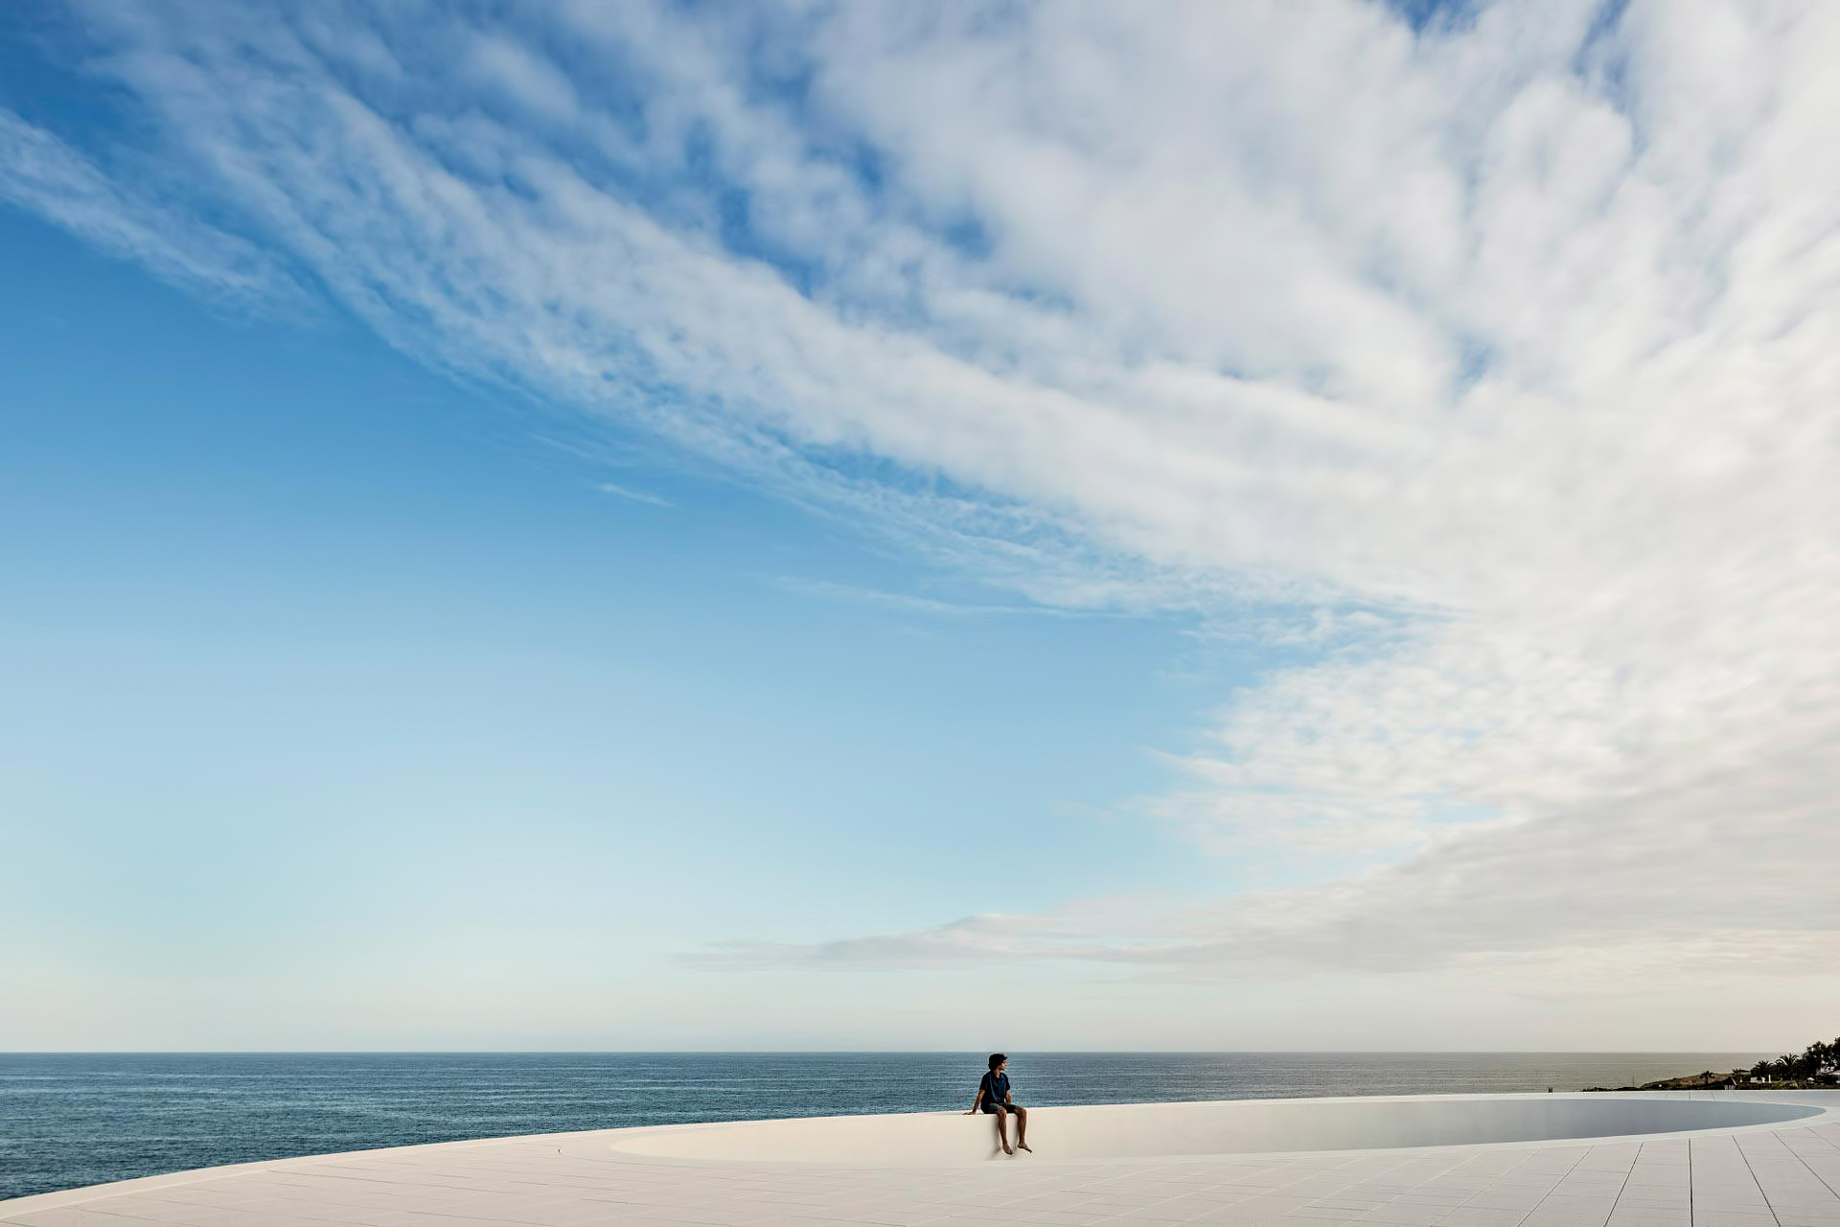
(993,1097)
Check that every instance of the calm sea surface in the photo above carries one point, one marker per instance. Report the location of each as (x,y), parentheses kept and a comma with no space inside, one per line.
(68,1120)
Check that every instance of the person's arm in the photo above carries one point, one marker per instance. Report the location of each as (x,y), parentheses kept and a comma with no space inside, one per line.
(976,1100)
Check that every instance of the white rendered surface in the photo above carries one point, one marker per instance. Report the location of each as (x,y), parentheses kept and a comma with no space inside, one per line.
(1234,1126)
(1701,1159)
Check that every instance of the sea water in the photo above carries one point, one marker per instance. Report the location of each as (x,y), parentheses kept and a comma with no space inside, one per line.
(72,1119)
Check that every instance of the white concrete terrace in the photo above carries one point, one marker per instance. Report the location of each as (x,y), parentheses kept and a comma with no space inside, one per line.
(1687,1159)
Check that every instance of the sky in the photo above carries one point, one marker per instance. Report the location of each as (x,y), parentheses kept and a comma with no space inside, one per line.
(887,526)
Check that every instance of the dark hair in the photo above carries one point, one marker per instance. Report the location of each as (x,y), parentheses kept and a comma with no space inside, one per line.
(996,1059)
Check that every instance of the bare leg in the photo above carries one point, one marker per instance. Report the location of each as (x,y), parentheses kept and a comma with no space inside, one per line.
(1002,1138)
(1022,1129)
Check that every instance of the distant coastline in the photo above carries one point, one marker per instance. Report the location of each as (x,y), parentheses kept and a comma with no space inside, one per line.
(1818,1065)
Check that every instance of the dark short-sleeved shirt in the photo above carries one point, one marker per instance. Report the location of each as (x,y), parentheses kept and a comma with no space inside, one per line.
(996,1087)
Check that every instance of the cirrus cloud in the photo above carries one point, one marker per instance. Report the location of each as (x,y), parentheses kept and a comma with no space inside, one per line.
(1509,348)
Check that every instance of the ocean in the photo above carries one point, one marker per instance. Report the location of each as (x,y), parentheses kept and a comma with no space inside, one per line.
(75,1119)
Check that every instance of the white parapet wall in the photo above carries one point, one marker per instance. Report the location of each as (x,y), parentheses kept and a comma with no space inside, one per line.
(1207,1128)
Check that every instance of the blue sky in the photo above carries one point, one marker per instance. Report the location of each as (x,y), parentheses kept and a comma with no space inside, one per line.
(296,624)
(1281,526)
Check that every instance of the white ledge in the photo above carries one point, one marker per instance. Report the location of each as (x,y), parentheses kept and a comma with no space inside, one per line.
(1211,1127)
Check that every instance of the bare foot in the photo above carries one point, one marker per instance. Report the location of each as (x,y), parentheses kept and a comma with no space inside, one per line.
(1025,1146)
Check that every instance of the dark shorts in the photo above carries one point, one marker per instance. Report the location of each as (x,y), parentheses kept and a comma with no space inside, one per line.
(992,1108)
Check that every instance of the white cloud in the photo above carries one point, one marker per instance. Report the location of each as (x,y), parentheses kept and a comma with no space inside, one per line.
(1523,335)
(631,495)
(47,176)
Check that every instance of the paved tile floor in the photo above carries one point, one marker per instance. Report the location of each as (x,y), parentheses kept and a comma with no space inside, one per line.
(1782,1176)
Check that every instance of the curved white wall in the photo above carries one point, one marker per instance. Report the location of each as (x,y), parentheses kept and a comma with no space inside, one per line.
(1244,1126)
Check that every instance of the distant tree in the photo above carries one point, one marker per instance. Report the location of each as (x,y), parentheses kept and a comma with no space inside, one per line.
(1800,1067)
